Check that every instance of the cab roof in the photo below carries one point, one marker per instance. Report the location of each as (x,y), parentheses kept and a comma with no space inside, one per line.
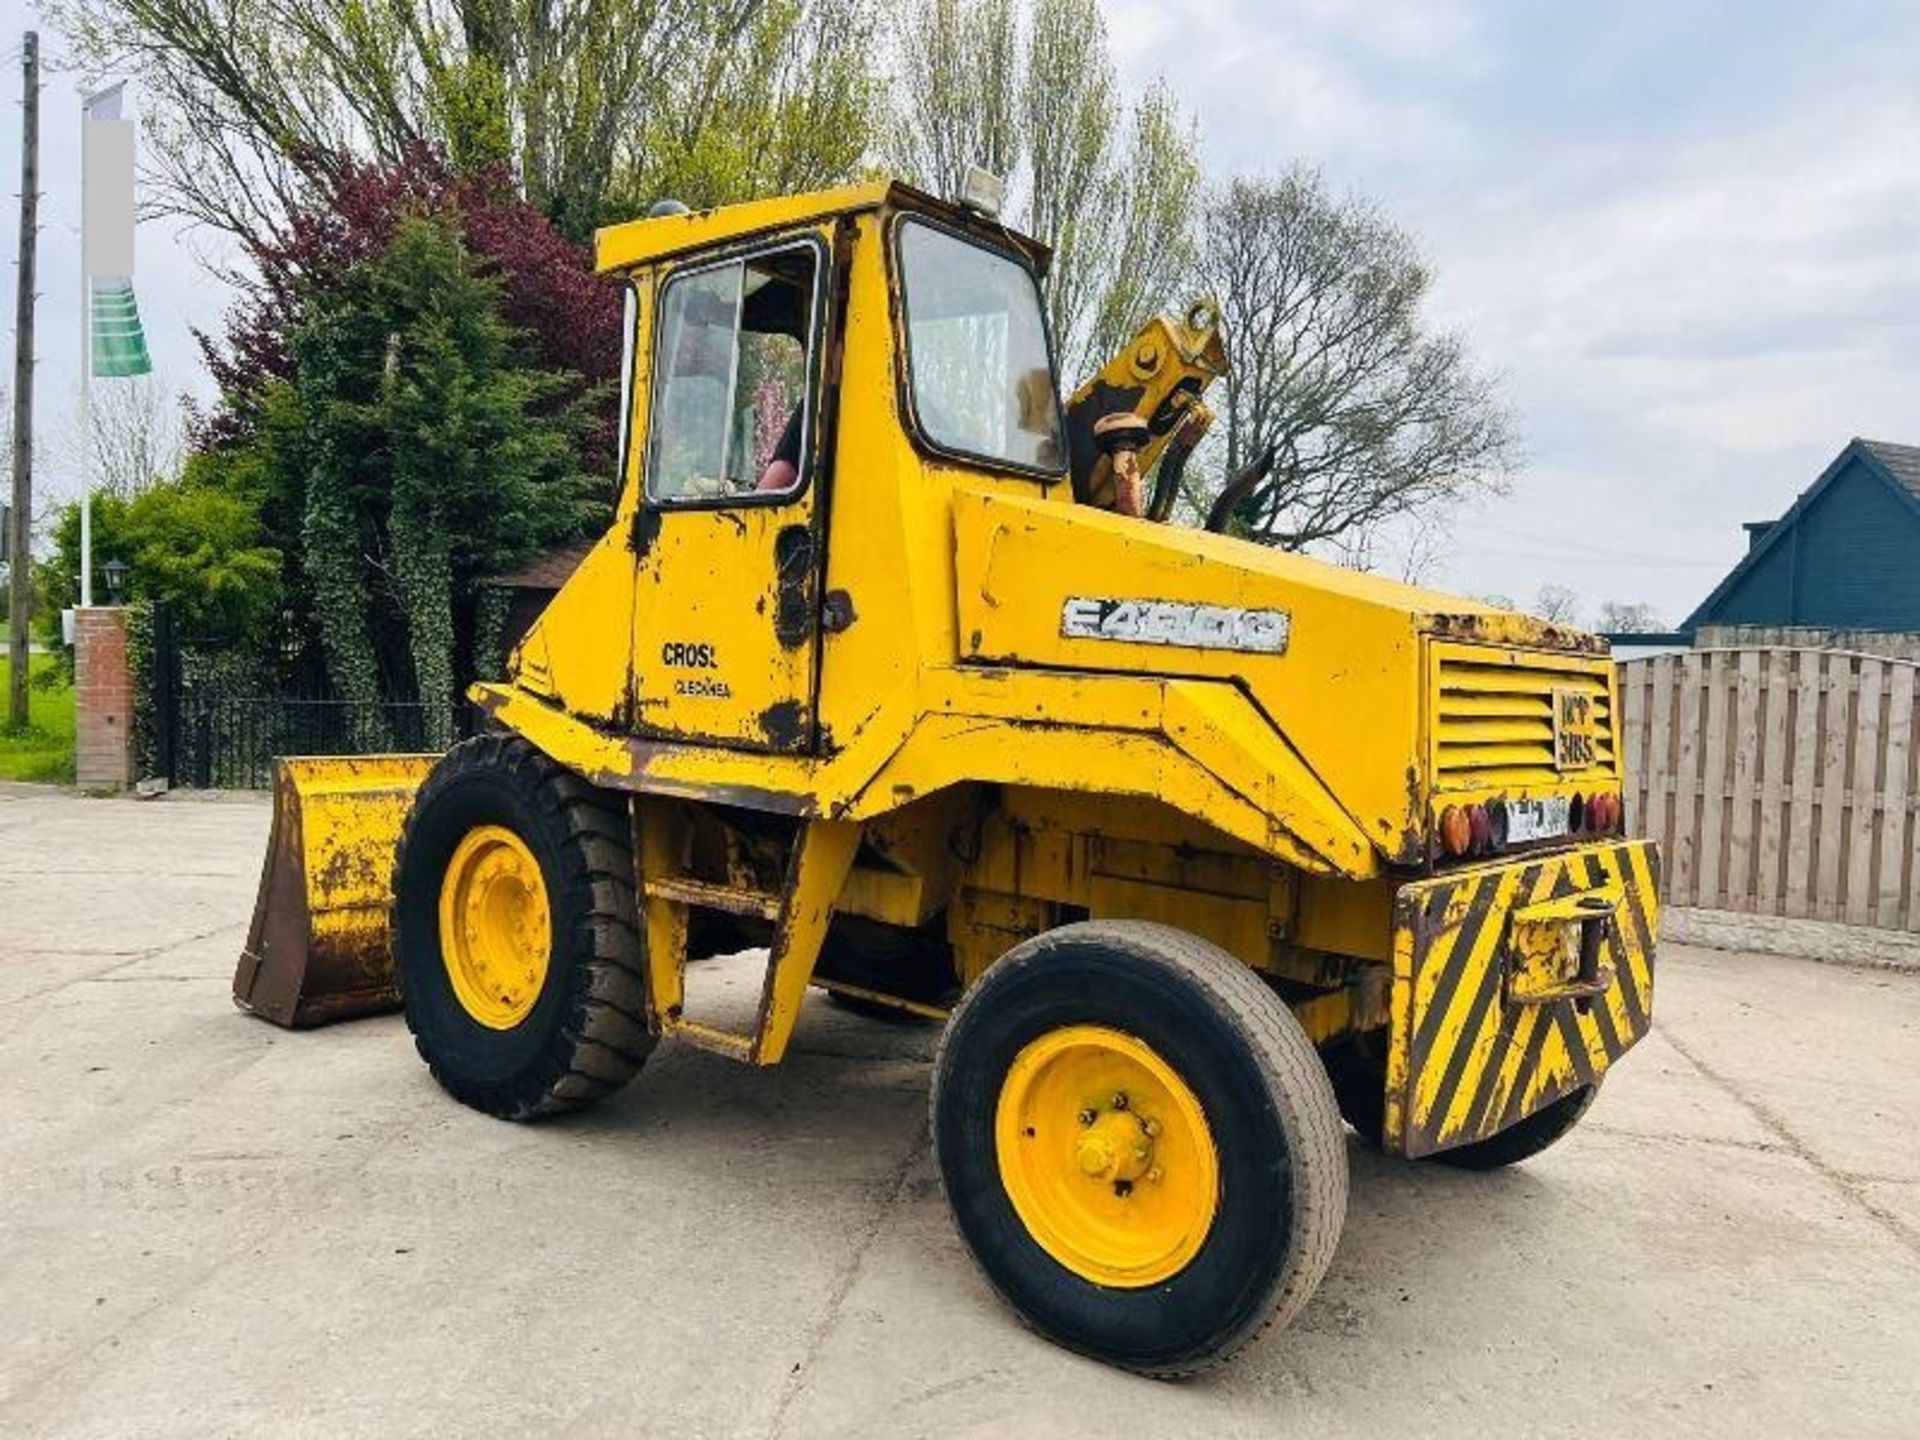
(642,242)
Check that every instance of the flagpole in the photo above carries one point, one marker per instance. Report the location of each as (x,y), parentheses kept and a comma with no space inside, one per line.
(86,383)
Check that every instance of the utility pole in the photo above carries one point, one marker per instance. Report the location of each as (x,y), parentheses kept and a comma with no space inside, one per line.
(20,562)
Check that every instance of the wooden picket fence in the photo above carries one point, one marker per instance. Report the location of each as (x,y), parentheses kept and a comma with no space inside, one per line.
(1779,781)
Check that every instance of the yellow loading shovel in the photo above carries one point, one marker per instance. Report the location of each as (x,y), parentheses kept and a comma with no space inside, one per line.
(319,948)
(1514,984)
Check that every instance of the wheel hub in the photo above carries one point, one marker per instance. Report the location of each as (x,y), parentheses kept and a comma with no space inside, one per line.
(495,926)
(1106,1156)
(1115,1147)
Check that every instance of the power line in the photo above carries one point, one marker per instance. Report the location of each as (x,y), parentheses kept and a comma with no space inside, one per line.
(1592,554)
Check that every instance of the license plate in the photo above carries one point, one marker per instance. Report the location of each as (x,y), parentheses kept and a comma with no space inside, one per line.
(1542,819)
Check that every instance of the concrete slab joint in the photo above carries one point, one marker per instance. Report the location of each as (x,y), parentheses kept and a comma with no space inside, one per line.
(103,699)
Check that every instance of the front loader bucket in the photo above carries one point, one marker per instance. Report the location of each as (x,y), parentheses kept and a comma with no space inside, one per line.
(319,950)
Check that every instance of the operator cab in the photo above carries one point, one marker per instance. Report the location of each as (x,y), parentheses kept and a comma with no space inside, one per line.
(806,379)
(857,336)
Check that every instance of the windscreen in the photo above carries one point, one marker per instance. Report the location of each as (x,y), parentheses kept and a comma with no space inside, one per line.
(977,352)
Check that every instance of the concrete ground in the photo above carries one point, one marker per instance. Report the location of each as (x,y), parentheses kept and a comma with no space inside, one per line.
(209,1226)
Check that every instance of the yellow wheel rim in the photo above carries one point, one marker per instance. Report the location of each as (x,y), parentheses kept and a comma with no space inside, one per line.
(1107,1156)
(495,929)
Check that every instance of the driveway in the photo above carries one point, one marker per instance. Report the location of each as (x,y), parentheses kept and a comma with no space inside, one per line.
(210,1226)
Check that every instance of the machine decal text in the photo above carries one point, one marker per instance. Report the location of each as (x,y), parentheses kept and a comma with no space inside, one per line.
(1174,622)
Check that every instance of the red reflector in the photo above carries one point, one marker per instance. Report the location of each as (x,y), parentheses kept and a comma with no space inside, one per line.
(1456,830)
(1497,822)
(1479,829)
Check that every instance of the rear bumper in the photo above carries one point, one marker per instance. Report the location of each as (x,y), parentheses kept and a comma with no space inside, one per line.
(1513,984)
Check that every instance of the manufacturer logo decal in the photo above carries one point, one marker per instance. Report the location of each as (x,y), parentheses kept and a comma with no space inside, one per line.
(1575,731)
(1173,622)
(695,655)
(689,655)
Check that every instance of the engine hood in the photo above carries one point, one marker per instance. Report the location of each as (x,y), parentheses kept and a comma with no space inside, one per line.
(1335,658)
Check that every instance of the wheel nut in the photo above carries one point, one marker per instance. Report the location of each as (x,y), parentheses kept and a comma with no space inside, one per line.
(1120,1101)
(1152,1127)
(1087,1117)
(1155,1175)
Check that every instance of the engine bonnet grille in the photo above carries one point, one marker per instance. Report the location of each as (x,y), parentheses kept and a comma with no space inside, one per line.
(1513,719)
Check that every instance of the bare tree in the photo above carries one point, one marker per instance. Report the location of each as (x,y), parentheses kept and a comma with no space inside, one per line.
(1144,257)
(138,436)
(1558,604)
(1364,412)
(1618,618)
(958,102)
(1416,553)
(1031,95)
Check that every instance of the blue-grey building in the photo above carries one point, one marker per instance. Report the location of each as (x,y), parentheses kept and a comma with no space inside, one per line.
(1844,559)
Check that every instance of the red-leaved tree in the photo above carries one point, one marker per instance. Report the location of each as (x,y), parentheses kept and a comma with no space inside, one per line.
(569,316)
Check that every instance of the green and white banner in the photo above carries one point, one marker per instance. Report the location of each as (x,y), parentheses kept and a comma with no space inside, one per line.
(119,344)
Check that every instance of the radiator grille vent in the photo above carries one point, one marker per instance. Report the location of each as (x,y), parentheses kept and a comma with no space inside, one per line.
(1494,724)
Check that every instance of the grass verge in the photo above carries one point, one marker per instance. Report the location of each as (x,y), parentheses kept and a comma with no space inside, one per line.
(44,750)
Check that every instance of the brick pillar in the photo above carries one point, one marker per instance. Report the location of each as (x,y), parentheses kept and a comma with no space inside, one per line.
(103,699)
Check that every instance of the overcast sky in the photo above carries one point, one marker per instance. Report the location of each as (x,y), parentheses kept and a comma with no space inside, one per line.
(1686,234)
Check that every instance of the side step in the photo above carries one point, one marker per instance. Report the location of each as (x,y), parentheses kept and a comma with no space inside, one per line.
(817,868)
(705,895)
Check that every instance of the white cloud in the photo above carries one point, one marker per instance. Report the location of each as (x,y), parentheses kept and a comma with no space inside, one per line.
(1272,86)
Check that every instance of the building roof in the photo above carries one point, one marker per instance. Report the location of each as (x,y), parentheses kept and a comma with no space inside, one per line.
(1901,461)
(548,570)
(1897,465)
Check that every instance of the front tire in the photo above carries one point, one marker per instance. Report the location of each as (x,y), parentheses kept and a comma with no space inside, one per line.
(515,933)
(1139,1145)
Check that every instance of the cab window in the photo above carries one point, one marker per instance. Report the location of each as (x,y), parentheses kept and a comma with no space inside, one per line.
(731,415)
(979,373)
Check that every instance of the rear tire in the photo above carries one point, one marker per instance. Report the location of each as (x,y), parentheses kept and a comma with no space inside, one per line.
(1252,1099)
(1360,1086)
(1359,1080)
(1526,1138)
(579,1032)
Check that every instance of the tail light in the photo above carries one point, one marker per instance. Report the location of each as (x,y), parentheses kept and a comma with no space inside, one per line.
(1497,824)
(1456,830)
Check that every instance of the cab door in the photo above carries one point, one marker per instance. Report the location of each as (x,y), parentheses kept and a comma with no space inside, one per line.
(728,535)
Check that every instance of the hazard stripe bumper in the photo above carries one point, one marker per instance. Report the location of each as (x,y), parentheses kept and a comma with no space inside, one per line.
(1478,1041)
